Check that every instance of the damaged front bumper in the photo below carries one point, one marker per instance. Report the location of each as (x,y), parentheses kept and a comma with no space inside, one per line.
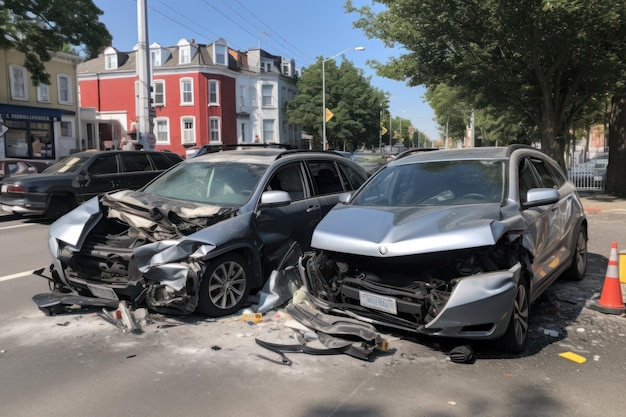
(474,307)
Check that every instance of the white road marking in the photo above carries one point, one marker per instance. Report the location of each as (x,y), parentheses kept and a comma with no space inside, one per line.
(17,225)
(18,275)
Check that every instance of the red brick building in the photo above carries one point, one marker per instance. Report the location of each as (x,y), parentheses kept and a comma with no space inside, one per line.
(201,94)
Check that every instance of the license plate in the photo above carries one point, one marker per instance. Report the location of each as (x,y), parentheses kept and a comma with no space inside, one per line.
(597,178)
(102,292)
(3,189)
(378,302)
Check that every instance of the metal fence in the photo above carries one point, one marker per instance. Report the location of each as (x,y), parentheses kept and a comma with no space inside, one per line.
(590,175)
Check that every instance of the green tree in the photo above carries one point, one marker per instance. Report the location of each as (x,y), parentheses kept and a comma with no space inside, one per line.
(38,27)
(349,96)
(544,58)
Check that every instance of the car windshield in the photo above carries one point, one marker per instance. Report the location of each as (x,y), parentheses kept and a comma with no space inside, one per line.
(435,184)
(67,165)
(220,183)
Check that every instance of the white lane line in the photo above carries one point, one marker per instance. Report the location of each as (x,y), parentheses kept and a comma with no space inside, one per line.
(18,275)
(17,225)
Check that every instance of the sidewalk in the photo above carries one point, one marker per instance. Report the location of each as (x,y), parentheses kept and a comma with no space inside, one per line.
(598,202)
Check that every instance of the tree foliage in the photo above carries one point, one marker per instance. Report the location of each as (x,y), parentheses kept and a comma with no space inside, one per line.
(38,27)
(544,59)
(349,96)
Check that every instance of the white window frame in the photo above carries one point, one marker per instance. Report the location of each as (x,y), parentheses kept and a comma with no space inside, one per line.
(155,57)
(215,131)
(214,92)
(69,128)
(162,138)
(268,133)
(61,91)
(157,103)
(184,54)
(19,85)
(110,60)
(188,135)
(43,93)
(267,100)
(220,51)
(183,83)
(242,95)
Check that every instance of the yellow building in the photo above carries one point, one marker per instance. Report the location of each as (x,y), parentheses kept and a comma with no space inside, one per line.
(38,121)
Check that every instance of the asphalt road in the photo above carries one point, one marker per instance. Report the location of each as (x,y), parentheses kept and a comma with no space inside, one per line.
(78,364)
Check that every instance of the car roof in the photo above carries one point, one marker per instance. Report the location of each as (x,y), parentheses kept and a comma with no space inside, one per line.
(489,152)
(262,155)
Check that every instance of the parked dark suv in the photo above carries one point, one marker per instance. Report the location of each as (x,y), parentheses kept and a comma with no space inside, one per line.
(202,235)
(78,177)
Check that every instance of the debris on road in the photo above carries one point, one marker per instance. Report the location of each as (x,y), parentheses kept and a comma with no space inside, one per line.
(573,357)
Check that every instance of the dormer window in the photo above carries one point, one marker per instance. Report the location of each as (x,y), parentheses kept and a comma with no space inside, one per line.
(186,51)
(155,58)
(110,58)
(185,55)
(219,53)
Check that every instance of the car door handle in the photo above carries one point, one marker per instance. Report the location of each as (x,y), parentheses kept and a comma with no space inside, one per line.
(312,208)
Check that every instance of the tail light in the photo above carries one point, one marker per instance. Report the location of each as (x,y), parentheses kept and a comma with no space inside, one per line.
(15,188)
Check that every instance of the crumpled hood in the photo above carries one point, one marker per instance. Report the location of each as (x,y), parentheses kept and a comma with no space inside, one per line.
(138,199)
(387,232)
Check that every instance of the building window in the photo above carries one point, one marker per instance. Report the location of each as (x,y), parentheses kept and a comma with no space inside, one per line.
(43,93)
(65,89)
(67,130)
(158,98)
(162,130)
(19,88)
(184,54)
(186,91)
(188,131)
(267,92)
(242,95)
(110,58)
(155,57)
(285,69)
(214,92)
(214,129)
(220,54)
(283,98)
(268,130)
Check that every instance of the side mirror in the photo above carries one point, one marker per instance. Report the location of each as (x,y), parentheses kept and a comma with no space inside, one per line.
(344,198)
(31,170)
(541,196)
(81,179)
(275,198)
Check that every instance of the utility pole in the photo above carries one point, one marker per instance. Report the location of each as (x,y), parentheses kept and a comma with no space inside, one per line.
(144,109)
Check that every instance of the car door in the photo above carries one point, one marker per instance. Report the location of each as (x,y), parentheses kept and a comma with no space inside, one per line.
(102,176)
(137,170)
(329,182)
(279,226)
(542,223)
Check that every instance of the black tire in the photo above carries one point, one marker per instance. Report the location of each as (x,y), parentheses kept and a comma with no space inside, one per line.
(59,205)
(576,271)
(225,286)
(516,336)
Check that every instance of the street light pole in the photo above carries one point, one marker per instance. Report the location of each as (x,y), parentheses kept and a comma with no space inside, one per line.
(358,48)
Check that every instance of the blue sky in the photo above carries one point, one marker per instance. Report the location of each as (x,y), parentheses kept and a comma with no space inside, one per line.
(300,29)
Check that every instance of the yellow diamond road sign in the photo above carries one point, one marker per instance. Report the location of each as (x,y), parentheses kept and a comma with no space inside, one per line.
(383,130)
(329,115)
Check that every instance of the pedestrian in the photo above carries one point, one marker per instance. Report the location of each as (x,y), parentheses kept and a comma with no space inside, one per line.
(127,144)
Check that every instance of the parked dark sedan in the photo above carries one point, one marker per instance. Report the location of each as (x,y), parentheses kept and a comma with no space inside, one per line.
(453,243)
(16,166)
(79,177)
(202,235)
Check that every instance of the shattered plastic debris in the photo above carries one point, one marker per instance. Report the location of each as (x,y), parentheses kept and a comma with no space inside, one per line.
(252,317)
(573,357)
(462,354)
(552,333)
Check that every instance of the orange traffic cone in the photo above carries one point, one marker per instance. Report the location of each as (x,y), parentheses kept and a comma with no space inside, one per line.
(611,299)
